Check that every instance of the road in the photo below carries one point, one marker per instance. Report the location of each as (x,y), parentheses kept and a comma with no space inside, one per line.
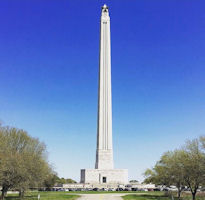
(109,196)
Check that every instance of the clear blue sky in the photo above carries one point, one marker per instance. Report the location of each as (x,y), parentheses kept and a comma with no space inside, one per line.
(49,77)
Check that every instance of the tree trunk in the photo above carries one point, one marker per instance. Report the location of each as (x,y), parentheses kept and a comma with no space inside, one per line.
(179,193)
(3,193)
(193,195)
(21,193)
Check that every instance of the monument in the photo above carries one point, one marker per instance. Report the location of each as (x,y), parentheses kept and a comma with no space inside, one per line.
(104,172)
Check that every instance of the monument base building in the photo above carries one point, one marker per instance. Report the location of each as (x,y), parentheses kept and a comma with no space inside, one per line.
(100,176)
(104,172)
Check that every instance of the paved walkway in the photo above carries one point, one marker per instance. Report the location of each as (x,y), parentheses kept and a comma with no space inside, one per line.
(109,196)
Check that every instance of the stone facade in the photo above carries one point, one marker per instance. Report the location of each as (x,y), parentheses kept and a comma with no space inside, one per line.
(98,176)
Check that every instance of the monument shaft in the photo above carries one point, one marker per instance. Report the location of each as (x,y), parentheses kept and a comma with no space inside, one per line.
(104,153)
(104,172)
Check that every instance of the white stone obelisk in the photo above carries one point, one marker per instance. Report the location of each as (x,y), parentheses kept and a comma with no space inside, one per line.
(104,172)
(104,153)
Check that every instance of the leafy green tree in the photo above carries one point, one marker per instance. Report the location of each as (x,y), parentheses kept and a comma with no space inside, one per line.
(51,180)
(184,167)
(168,171)
(134,181)
(23,161)
(194,165)
(69,180)
(65,181)
(202,142)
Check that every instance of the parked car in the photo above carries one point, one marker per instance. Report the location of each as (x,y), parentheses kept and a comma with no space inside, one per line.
(88,189)
(119,189)
(104,189)
(127,189)
(134,189)
(95,189)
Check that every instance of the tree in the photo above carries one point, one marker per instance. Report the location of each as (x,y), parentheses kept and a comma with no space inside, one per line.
(168,171)
(23,161)
(202,142)
(51,180)
(194,165)
(184,167)
(134,181)
(69,180)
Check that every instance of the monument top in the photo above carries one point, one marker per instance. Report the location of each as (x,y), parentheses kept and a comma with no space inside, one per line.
(105,8)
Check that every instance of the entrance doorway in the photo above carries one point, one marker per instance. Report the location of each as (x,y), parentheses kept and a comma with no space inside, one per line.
(104,179)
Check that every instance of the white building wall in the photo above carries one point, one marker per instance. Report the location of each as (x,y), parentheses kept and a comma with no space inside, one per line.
(95,176)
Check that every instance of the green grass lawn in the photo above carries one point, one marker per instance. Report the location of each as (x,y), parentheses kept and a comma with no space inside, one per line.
(159,196)
(44,196)
(74,195)
(146,196)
